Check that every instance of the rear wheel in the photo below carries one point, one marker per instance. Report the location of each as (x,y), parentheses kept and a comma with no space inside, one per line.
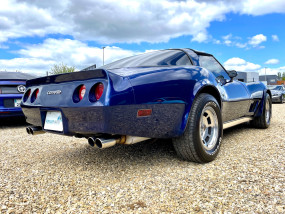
(202,137)
(263,121)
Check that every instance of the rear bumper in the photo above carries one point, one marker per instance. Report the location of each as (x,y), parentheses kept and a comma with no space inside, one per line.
(10,111)
(165,121)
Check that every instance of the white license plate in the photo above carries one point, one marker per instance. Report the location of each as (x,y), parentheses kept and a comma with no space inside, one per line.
(17,102)
(53,121)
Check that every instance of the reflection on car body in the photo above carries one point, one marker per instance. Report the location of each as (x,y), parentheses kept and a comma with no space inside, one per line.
(181,94)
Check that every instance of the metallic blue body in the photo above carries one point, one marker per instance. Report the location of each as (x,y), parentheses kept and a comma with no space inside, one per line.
(11,111)
(169,91)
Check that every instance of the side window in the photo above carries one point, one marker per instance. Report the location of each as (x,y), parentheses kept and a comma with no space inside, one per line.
(211,64)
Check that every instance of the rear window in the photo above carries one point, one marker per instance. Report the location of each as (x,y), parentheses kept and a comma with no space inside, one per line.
(156,58)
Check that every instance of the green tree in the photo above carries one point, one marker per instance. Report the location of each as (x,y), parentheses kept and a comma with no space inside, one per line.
(283,76)
(61,68)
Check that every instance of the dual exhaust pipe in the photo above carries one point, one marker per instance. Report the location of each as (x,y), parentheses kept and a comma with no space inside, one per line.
(34,130)
(103,143)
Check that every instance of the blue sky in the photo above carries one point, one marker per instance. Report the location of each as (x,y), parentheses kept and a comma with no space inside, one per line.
(246,35)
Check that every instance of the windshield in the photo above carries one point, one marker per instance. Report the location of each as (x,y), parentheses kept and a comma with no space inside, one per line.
(155,58)
(274,87)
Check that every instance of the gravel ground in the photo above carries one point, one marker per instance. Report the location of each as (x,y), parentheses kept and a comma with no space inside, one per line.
(55,174)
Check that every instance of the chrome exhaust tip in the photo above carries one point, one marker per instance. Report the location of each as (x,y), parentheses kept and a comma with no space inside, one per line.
(28,130)
(35,130)
(91,141)
(102,143)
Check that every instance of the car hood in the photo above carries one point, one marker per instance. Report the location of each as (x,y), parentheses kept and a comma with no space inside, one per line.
(276,92)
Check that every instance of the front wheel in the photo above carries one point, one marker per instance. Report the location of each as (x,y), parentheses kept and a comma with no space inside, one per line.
(281,99)
(202,137)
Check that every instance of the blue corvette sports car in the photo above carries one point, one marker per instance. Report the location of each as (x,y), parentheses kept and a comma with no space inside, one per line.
(181,94)
(12,88)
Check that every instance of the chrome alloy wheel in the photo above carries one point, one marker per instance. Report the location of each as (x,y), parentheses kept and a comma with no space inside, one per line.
(267,111)
(209,128)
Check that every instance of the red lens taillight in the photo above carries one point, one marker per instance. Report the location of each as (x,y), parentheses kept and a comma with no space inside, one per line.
(36,93)
(27,94)
(82,91)
(99,91)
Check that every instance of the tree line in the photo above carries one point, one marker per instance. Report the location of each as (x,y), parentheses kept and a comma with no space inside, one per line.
(281,76)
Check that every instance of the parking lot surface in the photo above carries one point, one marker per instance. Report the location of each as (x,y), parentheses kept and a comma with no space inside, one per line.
(52,173)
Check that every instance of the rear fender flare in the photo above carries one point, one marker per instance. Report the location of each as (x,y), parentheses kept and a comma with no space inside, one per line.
(203,86)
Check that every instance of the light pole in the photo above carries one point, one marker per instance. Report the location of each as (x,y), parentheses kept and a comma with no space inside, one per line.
(103,54)
(265,75)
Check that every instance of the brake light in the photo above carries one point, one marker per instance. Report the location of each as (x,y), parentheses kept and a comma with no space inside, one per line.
(82,91)
(26,96)
(99,91)
(36,93)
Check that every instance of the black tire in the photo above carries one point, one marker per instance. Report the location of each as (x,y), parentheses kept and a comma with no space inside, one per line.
(263,121)
(281,99)
(191,146)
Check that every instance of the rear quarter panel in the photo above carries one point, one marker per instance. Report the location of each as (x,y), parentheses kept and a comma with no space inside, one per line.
(169,85)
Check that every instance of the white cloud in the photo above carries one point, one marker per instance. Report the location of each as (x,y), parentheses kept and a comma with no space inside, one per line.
(275,38)
(272,62)
(110,21)
(200,37)
(257,39)
(239,64)
(271,71)
(257,7)
(40,58)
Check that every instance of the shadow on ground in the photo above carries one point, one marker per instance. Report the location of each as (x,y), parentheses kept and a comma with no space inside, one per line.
(144,153)
(12,122)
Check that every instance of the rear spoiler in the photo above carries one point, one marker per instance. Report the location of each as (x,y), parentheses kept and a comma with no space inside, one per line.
(74,76)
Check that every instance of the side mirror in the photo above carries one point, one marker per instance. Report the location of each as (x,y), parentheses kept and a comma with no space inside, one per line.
(232,74)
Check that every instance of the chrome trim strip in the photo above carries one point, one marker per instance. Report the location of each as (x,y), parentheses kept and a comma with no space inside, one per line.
(236,122)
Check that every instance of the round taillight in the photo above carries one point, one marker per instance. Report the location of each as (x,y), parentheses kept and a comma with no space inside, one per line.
(82,91)
(27,94)
(99,91)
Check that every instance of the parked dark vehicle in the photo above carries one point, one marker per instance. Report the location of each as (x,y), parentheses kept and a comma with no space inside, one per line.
(12,88)
(278,93)
(182,94)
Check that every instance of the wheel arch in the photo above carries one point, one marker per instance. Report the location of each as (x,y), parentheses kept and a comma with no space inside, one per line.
(208,89)
(269,92)
(212,90)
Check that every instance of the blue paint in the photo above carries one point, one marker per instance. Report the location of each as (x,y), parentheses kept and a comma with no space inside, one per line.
(169,90)
(11,110)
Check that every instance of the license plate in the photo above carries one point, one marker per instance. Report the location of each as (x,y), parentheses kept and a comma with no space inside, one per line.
(17,102)
(53,121)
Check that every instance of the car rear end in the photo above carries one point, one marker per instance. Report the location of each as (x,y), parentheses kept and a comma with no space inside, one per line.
(11,92)
(96,103)
(77,104)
